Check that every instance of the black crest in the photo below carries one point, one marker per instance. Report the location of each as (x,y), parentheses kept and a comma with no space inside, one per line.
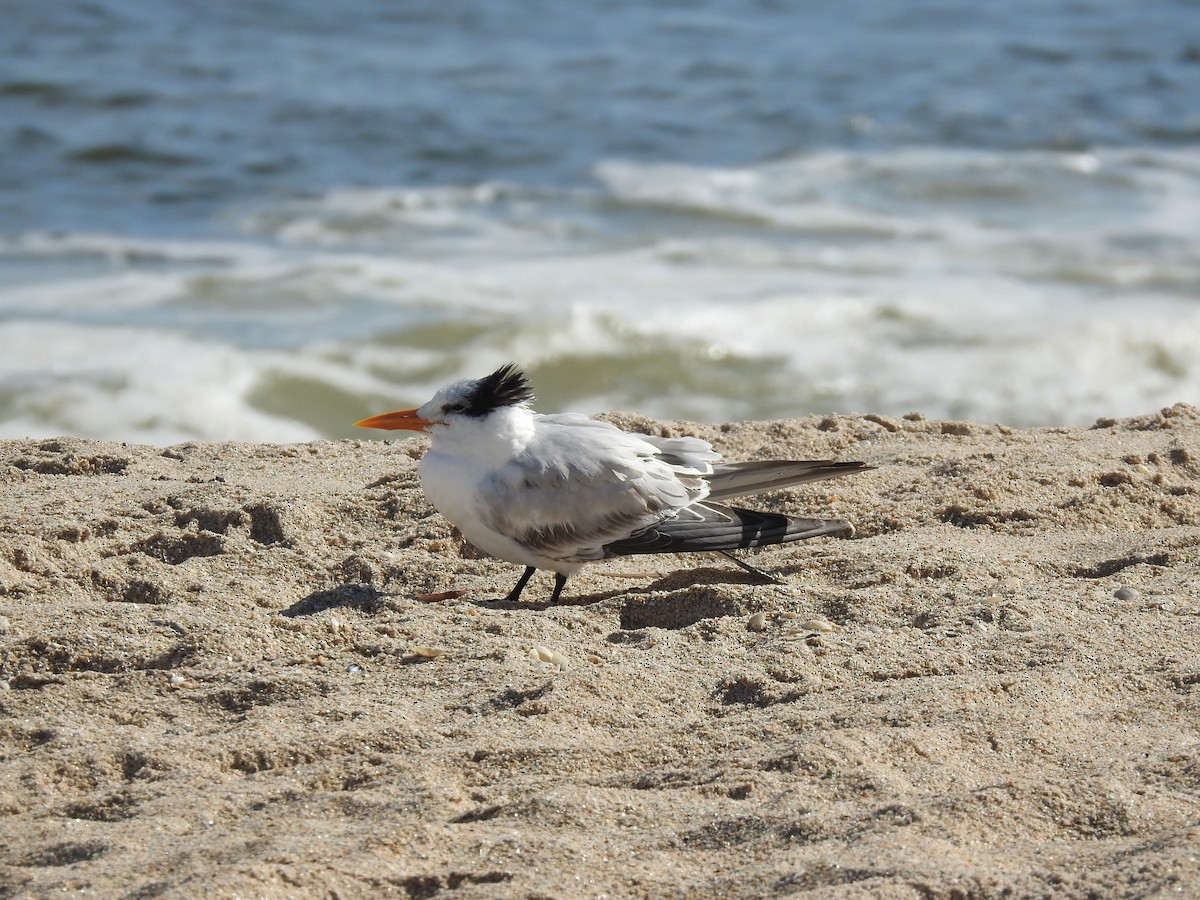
(507,386)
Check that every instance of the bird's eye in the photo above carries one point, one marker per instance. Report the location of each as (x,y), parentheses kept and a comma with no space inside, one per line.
(454,407)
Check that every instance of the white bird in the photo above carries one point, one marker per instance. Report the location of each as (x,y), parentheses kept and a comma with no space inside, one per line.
(559,491)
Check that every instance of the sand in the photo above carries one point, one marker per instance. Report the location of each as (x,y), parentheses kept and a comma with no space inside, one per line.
(273,671)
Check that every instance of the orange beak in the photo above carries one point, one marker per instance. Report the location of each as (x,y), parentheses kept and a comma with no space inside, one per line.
(404,420)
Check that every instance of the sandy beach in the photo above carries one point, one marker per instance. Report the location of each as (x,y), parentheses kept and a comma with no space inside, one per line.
(248,670)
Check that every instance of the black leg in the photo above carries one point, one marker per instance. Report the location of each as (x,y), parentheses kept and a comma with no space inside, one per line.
(749,568)
(559,580)
(515,593)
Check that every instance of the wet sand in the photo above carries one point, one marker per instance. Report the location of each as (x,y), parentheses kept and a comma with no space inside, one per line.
(273,671)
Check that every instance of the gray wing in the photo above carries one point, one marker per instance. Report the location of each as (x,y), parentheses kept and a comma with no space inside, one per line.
(739,479)
(690,453)
(577,488)
(710,526)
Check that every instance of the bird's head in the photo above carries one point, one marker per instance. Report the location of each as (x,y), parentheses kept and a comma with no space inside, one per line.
(470,398)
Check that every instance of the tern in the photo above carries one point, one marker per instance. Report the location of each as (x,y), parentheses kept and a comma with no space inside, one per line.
(559,491)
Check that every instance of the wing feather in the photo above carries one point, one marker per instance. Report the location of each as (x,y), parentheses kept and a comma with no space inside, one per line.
(684,453)
(710,526)
(575,489)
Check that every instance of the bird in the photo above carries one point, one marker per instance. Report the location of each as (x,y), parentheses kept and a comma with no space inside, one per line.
(558,491)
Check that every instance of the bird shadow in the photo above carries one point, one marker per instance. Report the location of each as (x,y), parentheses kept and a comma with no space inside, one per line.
(682,599)
(541,605)
(681,580)
(689,578)
(362,597)
(369,600)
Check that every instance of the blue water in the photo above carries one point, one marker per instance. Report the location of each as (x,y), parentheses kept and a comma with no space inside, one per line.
(259,219)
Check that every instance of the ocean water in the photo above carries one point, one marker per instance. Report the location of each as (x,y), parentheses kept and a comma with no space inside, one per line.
(265,220)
